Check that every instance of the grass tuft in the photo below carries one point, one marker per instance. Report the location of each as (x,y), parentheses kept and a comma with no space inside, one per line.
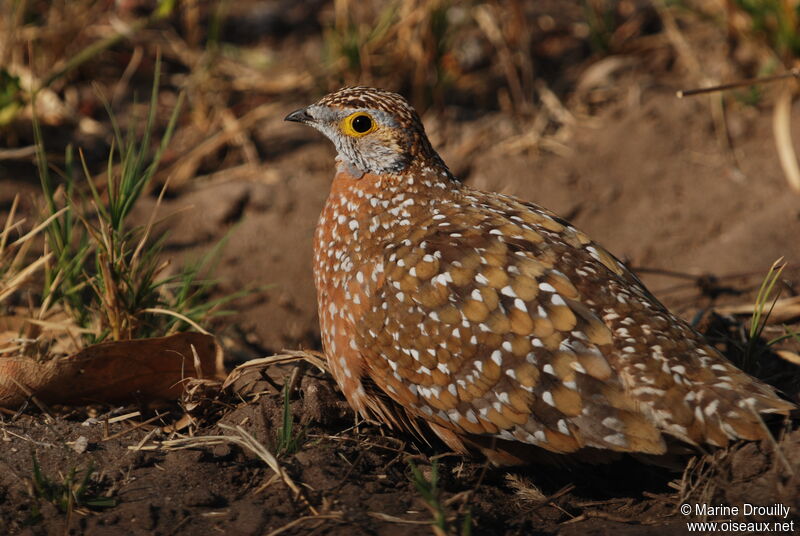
(289,442)
(107,274)
(76,489)
(764,304)
(431,494)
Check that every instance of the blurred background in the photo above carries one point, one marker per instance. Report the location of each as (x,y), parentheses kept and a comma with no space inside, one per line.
(149,185)
(569,103)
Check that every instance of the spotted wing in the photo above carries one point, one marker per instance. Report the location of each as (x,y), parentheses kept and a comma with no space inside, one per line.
(680,382)
(475,326)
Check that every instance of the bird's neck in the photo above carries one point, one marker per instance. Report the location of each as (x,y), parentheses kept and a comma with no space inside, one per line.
(391,195)
(419,175)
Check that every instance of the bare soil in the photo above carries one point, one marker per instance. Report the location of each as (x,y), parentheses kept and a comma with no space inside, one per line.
(699,214)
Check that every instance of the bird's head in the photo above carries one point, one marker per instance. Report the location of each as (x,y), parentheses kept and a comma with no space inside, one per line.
(374,130)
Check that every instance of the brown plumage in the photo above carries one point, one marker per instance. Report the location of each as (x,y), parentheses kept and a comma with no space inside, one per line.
(491,319)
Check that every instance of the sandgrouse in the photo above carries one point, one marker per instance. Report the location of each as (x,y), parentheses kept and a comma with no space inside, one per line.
(493,321)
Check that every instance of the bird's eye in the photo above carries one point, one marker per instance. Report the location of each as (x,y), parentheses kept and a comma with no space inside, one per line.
(362,124)
(358,124)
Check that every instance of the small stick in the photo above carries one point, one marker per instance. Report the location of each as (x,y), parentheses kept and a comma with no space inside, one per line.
(124,417)
(793,73)
(41,405)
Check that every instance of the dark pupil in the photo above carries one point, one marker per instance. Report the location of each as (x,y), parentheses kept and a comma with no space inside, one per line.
(362,123)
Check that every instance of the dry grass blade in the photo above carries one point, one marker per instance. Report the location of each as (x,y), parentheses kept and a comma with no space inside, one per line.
(243,439)
(787,355)
(19,153)
(36,230)
(132,428)
(301,520)
(160,311)
(784,310)
(314,358)
(13,284)
(65,325)
(14,270)
(782,130)
(395,519)
(125,417)
(9,225)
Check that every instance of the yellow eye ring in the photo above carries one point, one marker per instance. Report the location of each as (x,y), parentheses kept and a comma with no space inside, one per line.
(358,124)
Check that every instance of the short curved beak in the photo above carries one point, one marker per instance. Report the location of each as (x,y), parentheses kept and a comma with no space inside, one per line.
(299,116)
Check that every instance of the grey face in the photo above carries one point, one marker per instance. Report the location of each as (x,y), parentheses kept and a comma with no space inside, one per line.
(367,140)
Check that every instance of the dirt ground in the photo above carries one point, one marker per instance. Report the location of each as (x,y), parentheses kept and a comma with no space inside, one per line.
(698,206)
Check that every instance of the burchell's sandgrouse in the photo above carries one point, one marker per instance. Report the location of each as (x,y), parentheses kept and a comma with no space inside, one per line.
(493,320)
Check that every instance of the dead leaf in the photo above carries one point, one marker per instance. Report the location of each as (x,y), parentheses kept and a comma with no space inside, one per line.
(141,370)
